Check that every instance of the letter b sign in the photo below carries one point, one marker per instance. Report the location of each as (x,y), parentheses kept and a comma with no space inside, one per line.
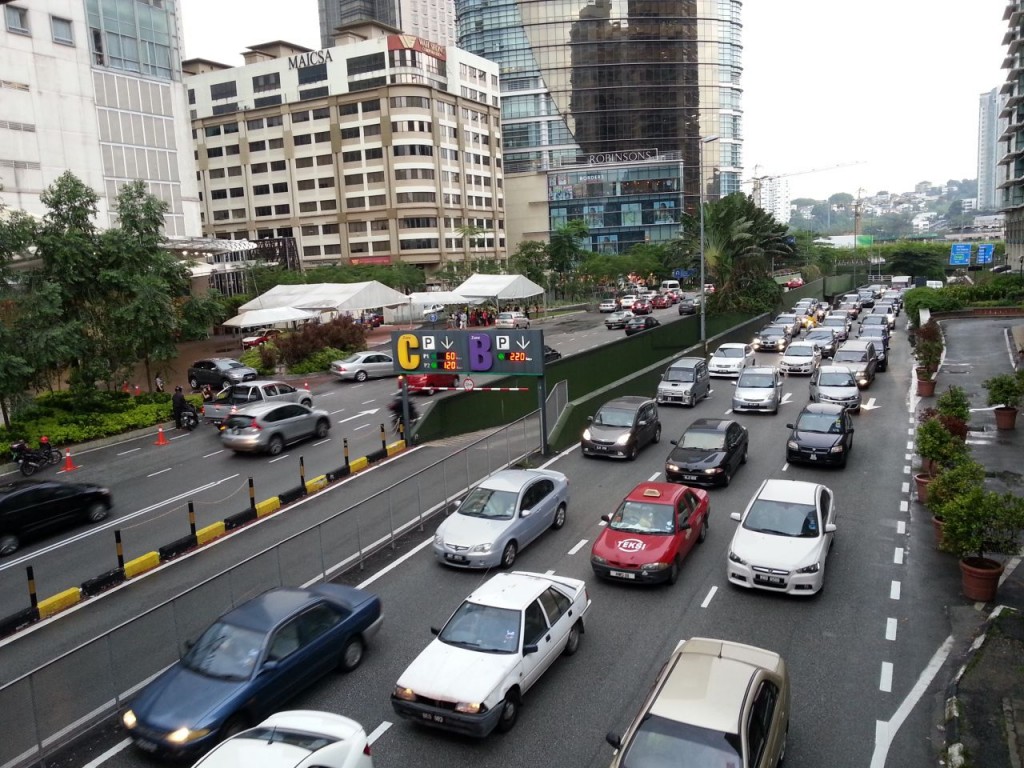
(480,357)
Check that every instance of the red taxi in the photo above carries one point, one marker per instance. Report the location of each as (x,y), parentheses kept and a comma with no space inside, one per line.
(653,529)
(661,301)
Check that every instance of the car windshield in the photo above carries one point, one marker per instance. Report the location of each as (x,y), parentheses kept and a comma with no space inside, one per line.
(614,417)
(733,352)
(836,379)
(310,742)
(785,319)
(505,316)
(783,518)
(837,321)
(663,743)
(225,651)
(773,332)
(643,517)
(876,319)
(850,356)
(826,423)
(483,628)
(756,381)
(703,441)
(489,504)
(819,336)
(679,374)
(800,351)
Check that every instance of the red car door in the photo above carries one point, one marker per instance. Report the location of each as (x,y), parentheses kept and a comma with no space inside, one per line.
(692,510)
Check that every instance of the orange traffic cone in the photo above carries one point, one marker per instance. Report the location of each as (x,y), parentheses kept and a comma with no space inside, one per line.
(69,465)
(160,438)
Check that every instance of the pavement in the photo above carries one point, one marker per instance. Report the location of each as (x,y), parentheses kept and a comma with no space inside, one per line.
(983,720)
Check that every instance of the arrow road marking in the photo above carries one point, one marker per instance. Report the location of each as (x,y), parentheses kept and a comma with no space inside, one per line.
(785,398)
(870,405)
(361,413)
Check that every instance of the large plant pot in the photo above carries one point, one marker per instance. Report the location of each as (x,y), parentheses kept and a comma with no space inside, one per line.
(980,578)
(1006,418)
(937,525)
(921,481)
(925,387)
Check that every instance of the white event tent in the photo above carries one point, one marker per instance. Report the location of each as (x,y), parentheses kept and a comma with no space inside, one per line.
(499,288)
(257,318)
(330,298)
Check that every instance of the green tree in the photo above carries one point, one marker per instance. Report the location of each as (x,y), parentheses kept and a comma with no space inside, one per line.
(530,260)
(566,250)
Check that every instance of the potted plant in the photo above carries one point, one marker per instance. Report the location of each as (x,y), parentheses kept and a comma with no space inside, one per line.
(953,409)
(1005,392)
(958,480)
(928,354)
(937,445)
(980,523)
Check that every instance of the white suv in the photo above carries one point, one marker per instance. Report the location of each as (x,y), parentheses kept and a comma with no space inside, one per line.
(512,320)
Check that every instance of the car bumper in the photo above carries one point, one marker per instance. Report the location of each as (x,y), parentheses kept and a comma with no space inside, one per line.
(803,456)
(447,719)
(634,575)
(850,405)
(608,451)
(769,347)
(694,477)
(801,584)
(146,740)
(741,406)
(242,443)
(465,559)
(675,398)
(733,373)
(805,370)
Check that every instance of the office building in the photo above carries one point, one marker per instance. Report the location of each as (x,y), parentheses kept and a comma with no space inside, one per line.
(377,150)
(1012,137)
(990,126)
(771,194)
(430,19)
(95,88)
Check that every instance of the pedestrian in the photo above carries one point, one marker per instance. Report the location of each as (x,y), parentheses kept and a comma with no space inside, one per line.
(207,391)
(462,319)
(178,406)
(159,382)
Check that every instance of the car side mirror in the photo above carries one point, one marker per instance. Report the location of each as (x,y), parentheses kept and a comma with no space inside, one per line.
(663,377)
(525,512)
(734,516)
(606,518)
(614,739)
(268,666)
(529,648)
(590,419)
(734,383)
(830,527)
(790,426)
(642,423)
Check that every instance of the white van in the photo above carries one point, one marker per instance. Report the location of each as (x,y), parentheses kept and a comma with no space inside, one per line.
(669,285)
(934,284)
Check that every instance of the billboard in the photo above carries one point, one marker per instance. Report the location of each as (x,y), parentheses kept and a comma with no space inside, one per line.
(960,254)
(985,251)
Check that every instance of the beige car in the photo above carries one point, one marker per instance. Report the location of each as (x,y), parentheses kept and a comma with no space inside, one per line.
(709,690)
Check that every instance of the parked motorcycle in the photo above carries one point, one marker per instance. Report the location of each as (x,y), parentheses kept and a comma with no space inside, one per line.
(189,417)
(29,459)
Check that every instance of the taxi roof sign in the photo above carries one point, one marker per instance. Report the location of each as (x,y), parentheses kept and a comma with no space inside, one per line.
(652,492)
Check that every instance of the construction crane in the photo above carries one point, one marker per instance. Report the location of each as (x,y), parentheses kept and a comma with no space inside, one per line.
(757,181)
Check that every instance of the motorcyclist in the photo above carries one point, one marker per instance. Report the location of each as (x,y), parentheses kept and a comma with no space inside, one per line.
(397,415)
(178,405)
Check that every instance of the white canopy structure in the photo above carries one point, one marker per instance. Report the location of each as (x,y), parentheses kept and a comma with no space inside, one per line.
(500,287)
(329,297)
(439,297)
(257,318)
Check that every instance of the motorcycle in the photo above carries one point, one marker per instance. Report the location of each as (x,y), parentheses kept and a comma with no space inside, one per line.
(189,417)
(397,420)
(29,460)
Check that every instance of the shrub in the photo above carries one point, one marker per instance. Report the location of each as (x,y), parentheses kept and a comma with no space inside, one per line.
(954,403)
(955,481)
(936,443)
(263,358)
(318,362)
(341,333)
(1006,390)
(982,522)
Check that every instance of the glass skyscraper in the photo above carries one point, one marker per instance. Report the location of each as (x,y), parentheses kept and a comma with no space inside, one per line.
(583,78)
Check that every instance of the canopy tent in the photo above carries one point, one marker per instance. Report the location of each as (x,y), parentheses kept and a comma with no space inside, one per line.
(500,287)
(329,297)
(427,298)
(256,318)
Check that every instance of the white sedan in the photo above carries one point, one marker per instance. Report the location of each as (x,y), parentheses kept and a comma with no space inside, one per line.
(295,739)
(783,539)
(497,644)
(800,357)
(729,359)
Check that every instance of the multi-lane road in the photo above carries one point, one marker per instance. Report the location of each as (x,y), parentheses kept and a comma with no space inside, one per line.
(861,654)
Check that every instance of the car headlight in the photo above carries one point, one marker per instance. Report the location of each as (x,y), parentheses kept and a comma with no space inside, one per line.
(484,548)
(836,449)
(439,539)
(671,468)
(598,559)
(184,735)
(813,568)
(470,708)
(654,566)
(736,558)
(129,719)
(792,445)
(405,694)
(623,439)
(712,471)
(586,434)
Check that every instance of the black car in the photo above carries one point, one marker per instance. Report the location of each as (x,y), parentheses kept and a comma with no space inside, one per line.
(822,434)
(621,427)
(880,336)
(708,453)
(687,307)
(637,324)
(219,372)
(551,354)
(774,338)
(824,339)
(29,508)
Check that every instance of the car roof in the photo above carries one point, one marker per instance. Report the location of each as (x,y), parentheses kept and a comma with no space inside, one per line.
(794,491)
(687,362)
(733,345)
(709,425)
(258,409)
(831,409)
(513,479)
(833,369)
(270,608)
(514,590)
(656,493)
(709,682)
(628,401)
(801,343)
(855,344)
(758,369)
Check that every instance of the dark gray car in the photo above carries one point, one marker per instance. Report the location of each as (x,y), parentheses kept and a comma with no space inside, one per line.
(621,427)
(219,372)
(685,382)
(860,356)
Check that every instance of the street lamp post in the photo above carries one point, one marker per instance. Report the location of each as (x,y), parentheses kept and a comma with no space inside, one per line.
(703,296)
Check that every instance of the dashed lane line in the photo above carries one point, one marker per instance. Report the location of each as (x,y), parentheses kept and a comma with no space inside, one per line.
(580,545)
(894,590)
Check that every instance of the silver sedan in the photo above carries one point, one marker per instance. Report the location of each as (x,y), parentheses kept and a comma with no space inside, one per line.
(502,515)
(364,365)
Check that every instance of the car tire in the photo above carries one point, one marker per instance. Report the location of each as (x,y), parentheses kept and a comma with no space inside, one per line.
(703,531)
(633,452)
(225,383)
(728,479)
(352,654)
(743,458)
(8,544)
(361,376)
(673,572)
(657,435)
(234,725)
(559,520)
(193,382)
(509,712)
(275,446)
(323,426)
(96,513)
(573,643)
(508,555)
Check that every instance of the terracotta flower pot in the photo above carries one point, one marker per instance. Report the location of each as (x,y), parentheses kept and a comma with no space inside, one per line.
(937,524)
(921,481)
(925,387)
(928,467)
(1006,418)
(980,578)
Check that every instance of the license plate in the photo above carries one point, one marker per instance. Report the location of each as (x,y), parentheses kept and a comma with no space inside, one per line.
(454,558)
(689,477)
(777,580)
(813,457)
(600,447)
(622,574)
(145,746)
(432,717)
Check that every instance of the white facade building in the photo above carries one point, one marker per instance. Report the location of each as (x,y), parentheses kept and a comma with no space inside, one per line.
(429,19)
(990,126)
(95,88)
(771,194)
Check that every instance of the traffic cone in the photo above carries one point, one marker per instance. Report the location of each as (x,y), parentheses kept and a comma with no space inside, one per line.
(138,390)
(69,465)
(160,438)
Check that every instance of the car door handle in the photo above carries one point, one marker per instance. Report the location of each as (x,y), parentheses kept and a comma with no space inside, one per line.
(547,639)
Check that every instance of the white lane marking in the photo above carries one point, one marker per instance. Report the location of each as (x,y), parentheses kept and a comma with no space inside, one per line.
(582,543)
(904,506)
(550,573)
(369,412)
(890,629)
(388,568)
(130,450)
(707,600)
(95,763)
(901,527)
(912,419)
(894,590)
(886,731)
(910,431)
(160,472)
(282,456)
(361,426)
(208,455)
(906,469)
(654,477)
(331,413)
(908,456)
(785,466)
(325,440)
(728,411)
(885,682)
(366,402)
(910,445)
(377,732)
(897,556)
(905,488)
(175,437)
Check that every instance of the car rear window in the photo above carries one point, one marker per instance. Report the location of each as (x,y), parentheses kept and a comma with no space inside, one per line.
(756,380)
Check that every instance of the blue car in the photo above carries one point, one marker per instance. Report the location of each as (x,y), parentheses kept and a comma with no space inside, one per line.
(248,663)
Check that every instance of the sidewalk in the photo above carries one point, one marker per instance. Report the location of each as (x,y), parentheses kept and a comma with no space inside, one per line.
(984,714)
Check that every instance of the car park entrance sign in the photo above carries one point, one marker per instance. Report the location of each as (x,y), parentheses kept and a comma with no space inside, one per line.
(515,352)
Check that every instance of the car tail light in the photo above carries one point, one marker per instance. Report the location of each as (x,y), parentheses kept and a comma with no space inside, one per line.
(366,749)
(254,425)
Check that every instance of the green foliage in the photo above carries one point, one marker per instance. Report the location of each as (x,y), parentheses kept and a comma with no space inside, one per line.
(981,522)
(958,480)
(1006,389)
(339,334)
(954,403)
(318,362)
(937,444)
(263,358)
(565,250)
(530,260)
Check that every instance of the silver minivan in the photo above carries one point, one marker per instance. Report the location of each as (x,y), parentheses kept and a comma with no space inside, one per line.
(835,384)
(685,382)
(759,388)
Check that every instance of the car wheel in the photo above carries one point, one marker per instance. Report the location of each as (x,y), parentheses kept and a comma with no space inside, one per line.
(559,520)
(234,725)
(727,479)
(8,544)
(673,572)
(508,555)
(782,749)
(361,376)
(96,513)
(275,446)
(193,382)
(509,712)
(322,428)
(703,531)
(633,451)
(573,643)
(225,383)
(657,434)
(743,459)
(351,654)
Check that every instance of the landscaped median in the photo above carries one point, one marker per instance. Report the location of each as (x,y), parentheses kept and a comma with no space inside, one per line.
(130,569)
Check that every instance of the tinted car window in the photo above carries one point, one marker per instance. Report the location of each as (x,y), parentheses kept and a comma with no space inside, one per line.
(555,604)
(535,624)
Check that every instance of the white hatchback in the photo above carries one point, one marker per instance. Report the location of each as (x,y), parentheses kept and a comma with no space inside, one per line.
(731,358)
(800,357)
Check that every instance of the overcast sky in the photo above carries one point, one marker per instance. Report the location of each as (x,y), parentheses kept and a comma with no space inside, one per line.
(891,85)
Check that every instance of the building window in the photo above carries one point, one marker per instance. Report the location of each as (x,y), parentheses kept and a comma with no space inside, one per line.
(322,137)
(211,130)
(367,85)
(417,102)
(63,32)
(376,177)
(282,210)
(421,243)
(263,210)
(349,133)
(216,173)
(373,105)
(324,159)
(231,149)
(261,189)
(254,125)
(268,82)
(380,246)
(228,90)
(275,144)
(332,249)
(267,101)
(192,96)
(280,186)
(353,179)
(351,157)
(314,93)
(406,150)
(310,230)
(230,128)
(275,120)
(355,202)
(221,215)
(314,74)
(322,113)
(326,183)
(237,192)
(304,162)
(418,222)
(257,146)
(279,165)
(311,250)
(215,151)
(307,207)
(328,205)
(359,247)
(303,140)
(374,153)
(358,65)
(379,225)
(377,200)
(329,229)
(235,171)
(348,109)
(17,19)
(218,194)
(258,168)
(371,130)
(415,197)
(306,184)
(224,109)
(357,227)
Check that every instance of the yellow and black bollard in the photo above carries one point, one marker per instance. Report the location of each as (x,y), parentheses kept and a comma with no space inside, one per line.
(302,473)
(120,550)
(32,587)
(345,450)
(252,495)
(383,438)
(191,519)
